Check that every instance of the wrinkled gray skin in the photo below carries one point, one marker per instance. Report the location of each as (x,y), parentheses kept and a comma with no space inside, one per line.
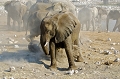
(16,11)
(60,30)
(43,8)
(115,15)
(85,16)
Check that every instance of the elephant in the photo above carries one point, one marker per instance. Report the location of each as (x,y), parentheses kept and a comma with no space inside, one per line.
(88,16)
(115,15)
(101,12)
(37,12)
(16,11)
(60,30)
(85,16)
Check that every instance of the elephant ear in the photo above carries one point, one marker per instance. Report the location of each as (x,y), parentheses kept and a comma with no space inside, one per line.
(65,26)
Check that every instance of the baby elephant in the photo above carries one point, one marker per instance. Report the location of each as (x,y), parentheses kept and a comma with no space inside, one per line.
(60,30)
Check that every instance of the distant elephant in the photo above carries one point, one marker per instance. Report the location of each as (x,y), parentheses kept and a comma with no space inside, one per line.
(37,12)
(60,30)
(115,15)
(16,11)
(85,15)
(101,12)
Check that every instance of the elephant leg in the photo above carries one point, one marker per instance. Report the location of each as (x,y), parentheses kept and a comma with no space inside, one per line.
(119,27)
(93,24)
(19,25)
(8,22)
(13,26)
(116,25)
(87,25)
(79,57)
(69,53)
(53,56)
(24,25)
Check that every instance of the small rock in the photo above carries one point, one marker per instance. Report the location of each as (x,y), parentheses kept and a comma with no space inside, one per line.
(15,41)
(15,35)
(11,69)
(109,39)
(113,43)
(117,60)
(10,42)
(97,63)
(76,71)
(53,73)
(23,38)
(107,52)
(116,52)
(90,41)
(112,48)
(89,46)
(11,78)
(16,46)
(70,72)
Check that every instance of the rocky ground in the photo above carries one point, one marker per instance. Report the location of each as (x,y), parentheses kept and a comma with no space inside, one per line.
(100,52)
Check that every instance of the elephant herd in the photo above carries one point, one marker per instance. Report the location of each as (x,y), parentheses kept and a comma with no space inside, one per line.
(57,22)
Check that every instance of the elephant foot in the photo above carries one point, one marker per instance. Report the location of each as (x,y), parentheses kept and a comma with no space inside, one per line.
(72,68)
(53,68)
(79,59)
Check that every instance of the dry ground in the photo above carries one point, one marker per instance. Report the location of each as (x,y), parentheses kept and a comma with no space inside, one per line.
(97,64)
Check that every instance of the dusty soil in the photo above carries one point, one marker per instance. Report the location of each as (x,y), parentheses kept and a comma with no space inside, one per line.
(99,51)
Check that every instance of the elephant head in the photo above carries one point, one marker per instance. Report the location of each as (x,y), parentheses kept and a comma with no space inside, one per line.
(56,28)
(115,15)
(6,5)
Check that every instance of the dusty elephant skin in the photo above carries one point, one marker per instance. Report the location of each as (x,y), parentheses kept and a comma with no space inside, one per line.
(39,10)
(60,31)
(16,10)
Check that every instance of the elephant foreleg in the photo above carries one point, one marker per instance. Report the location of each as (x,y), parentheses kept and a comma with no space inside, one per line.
(116,25)
(53,56)
(68,49)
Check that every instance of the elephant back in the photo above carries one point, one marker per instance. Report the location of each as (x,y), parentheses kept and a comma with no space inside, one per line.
(114,14)
(39,6)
